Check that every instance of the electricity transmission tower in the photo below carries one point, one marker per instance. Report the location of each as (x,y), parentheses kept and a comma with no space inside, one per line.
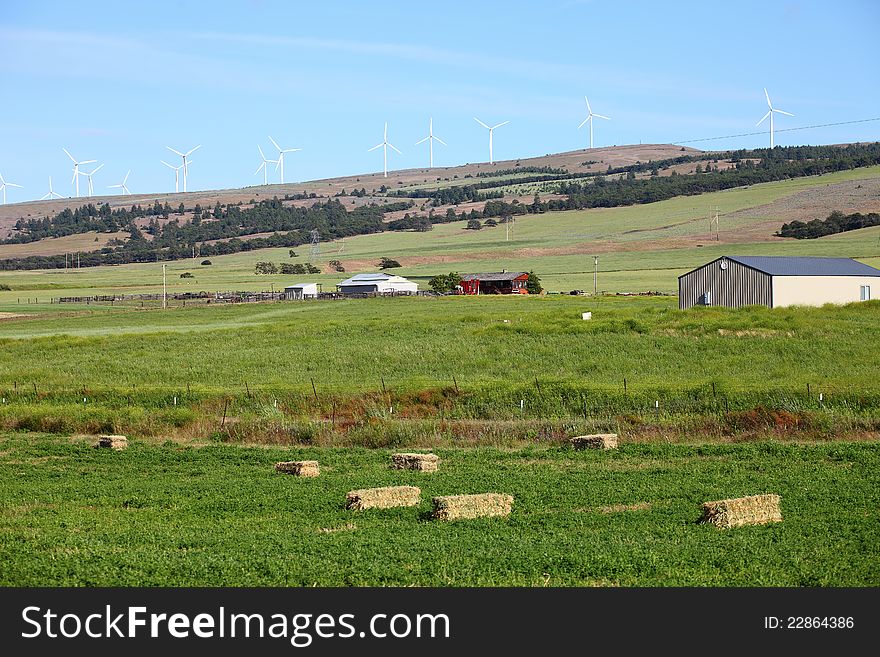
(714,220)
(315,247)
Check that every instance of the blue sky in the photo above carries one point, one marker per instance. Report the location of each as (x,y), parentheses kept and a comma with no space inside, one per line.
(118,82)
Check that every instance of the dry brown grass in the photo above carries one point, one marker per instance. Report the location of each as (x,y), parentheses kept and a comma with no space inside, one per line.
(595,441)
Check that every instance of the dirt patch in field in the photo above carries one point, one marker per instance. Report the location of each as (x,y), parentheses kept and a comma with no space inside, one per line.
(818,202)
(4,317)
(619,508)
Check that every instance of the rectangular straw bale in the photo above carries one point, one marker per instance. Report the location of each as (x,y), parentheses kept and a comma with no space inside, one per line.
(112,442)
(753,510)
(455,507)
(423,462)
(595,441)
(383,498)
(299,468)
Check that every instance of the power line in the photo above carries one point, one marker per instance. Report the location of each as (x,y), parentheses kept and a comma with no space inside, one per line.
(764,132)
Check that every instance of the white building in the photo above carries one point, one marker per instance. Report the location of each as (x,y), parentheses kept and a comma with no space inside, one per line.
(377,284)
(301,291)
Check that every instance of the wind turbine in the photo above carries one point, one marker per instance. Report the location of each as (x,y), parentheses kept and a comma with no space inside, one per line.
(89,176)
(431,139)
(491,161)
(185,163)
(384,146)
(176,174)
(52,194)
(4,185)
(122,184)
(589,119)
(770,114)
(280,160)
(76,169)
(264,166)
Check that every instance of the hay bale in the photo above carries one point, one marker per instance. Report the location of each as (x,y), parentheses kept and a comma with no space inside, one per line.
(382,498)
(422,462)
(112,442)
(299,468)
(455,507)
(754,510)
(595,441)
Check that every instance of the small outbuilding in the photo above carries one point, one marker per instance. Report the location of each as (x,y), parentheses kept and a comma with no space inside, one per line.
(777,281)
(502,282)
(301,291)
(377,283)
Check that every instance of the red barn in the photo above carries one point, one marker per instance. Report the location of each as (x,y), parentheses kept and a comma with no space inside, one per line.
(504,282)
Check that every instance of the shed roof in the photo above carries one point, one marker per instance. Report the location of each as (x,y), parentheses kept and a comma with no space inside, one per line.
(299,286)
(372,279)
(495,276)
(806,266)
(801,266)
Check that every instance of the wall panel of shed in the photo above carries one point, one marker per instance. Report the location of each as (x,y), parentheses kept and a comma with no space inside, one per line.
(733,287)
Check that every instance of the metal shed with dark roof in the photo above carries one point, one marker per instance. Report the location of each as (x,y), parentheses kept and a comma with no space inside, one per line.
(777,281)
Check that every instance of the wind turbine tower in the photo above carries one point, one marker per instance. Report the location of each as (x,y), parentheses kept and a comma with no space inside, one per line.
(4,185)
(76,169)
(185,162)
(280,160)
(89,177)
(491,130)
(589,119)
(51,194)
(431,139)
(770,113)
(176,174)
(122,185)
(384,146)
(264,166)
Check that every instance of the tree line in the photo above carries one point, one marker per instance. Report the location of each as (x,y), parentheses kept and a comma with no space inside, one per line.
(836,222)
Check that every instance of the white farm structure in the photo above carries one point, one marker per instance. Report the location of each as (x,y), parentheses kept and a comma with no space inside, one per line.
(301,291)
(377,284)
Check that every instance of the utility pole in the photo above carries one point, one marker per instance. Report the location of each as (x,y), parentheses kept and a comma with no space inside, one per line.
(164,290)
(595,275)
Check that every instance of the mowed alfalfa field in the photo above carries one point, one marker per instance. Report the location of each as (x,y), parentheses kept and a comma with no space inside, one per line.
(709,403)
(172,515)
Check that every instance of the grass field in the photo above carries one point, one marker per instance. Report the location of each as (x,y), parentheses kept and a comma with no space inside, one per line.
(168,515)
(380,365)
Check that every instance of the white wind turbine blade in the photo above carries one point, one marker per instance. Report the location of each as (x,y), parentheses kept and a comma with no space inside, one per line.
(440,140)
(113,186)
(72,159)
(168,165)
(375,147)
(783,112)
(291,150)
(275,143)
(500,124)
(262,157)
(96,169)
(193,150)
(422,141)
(599,116)
(9,184)
(394,147)
(589,109)
(768,98)
(764,118)
(260,168)
(584,122)
(481,123)
(87,162)
(386,131)
(174,151)
(125,180)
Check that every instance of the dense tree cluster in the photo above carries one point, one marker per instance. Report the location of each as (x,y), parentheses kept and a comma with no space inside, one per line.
(445,283)
(836,222)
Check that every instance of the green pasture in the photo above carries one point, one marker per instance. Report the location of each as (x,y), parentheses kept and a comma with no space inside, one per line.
(170,515)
